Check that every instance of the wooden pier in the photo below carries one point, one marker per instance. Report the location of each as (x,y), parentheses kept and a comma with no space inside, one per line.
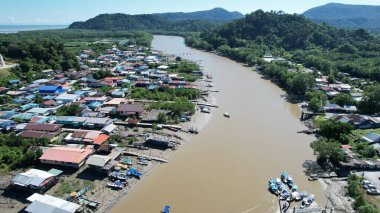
(306,114)
(145,156)
(208,105)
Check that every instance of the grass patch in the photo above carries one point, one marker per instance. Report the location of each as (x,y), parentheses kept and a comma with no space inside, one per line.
(66,187)
(5,72)
(318,119)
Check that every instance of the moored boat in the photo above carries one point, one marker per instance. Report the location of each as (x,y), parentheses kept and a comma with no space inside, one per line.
(117,184)
(284,194)
(226,114)
(284,177)
(310,199)
(143,162)
(166,209)
(273,188)
(290,181)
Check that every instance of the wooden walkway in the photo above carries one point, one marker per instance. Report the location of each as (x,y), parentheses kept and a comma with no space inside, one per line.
(146,156)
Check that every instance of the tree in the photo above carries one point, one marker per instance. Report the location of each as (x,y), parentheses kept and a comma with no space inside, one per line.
(328,150)
(317,99)
(344,99)
(365,150)
(301,83)
(333,130)
(69,110)
(367,208)
(371,100)
(38,99)
(25,67)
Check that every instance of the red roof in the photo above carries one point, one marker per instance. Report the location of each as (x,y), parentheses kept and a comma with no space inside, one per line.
(101,139)
(346,147)
(66,154)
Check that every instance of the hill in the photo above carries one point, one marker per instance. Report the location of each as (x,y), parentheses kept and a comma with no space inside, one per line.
(180,22)
(296,38)
(216,14)
(346,16)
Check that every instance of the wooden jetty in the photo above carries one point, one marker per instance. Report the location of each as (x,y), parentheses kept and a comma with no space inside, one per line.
(206,104)
(308,131)
(313,210)
(306,114)
(145,156)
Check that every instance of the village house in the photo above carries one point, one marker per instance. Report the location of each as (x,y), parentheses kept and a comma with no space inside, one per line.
(50,90)
(34,180)
(67,98)
(114,102)
(87,137)
(49,204)
(130,109)
(65,156)
(99,163)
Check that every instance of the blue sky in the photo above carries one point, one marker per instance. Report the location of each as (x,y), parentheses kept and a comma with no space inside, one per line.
(67,11)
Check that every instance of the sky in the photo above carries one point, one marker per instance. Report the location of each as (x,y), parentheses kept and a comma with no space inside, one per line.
(50,12)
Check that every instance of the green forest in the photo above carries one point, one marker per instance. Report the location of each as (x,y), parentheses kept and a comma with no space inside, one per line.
(295,38)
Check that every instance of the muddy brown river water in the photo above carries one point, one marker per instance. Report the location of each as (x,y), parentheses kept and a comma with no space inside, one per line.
(227,166)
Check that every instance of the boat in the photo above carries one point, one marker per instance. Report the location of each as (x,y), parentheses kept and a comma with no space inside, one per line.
(193,131)
(313,177)
(273,188)
(143,162)
(295,196)
(117,184)
(290,181)
(226,114)
(133,172)
(118,175)
(294,188)
(205,109)
(310,200)
(278,181)
(284,194)
(272,181)
(284,177)
(373,192)
(303,203)
(166,209)
(303,195)
(89,203)
(284,206)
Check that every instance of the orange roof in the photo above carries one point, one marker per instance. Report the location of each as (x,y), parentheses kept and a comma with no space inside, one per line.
(66,154)
(101,139)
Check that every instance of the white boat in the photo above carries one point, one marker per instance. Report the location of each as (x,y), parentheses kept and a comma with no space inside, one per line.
(205,109)
(226,114)
(143,162)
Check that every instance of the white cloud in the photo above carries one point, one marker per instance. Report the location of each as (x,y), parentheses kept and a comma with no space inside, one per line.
(11,20)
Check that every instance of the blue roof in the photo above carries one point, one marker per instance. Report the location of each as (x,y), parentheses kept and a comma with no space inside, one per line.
(48,97)
(7,114)
(30,97)
(94,104)
(152,87)
(14,81)
(50,89)
(373,136)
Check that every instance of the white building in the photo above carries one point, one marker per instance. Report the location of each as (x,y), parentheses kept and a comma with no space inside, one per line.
(2,63)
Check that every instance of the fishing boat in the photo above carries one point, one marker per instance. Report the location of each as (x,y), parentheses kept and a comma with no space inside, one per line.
(117,184)
(166,209)
(290,181)
(310,200)
(278,181)
(205,110)
(303,195)
(373,192)
(273,188)
(284,177)
(294,188)
(143,162)
(118,175)
(133,172)
(193,131)
(284,194)
(295,196)
(272,181)
(303,203)
(226,114)
(313,177)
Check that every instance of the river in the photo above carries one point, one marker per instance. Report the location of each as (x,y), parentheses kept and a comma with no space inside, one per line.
(227,166)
